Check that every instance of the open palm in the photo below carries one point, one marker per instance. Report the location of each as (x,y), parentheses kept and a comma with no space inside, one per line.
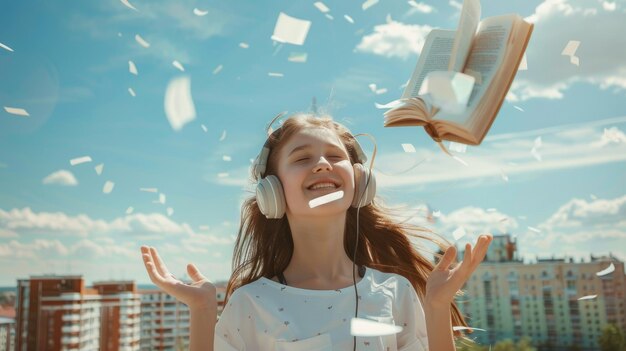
(445,281)
(199,294)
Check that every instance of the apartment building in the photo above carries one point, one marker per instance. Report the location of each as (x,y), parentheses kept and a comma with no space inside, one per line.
(61,313)
(542,300)
(7,334)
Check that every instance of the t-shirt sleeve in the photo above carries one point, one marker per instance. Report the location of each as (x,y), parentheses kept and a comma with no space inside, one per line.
(227,335)
(411,317)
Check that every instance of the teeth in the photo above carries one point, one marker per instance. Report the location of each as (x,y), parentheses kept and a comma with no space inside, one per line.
(323,185)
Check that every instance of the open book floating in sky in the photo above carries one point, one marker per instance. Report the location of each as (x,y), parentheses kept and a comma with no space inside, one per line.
(462,77)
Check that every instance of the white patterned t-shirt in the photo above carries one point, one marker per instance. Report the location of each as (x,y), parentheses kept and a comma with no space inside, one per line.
(267,315)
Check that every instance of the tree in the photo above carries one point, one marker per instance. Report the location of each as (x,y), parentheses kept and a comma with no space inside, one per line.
(524,344)
(612,339)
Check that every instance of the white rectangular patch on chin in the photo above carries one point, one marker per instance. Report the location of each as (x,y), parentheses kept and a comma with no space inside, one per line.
(326,199)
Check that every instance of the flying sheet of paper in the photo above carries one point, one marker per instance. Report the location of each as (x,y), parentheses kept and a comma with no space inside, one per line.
(588,297)
(458,233)
(131,92)
(141,41)
(223,136)
(534,229)
(321,6)
(132,68)
(456,327)
(448,90)
(275,74)
(99,168)
(523,65)
(468,23)
(178,65)
(408,148)
(290,29)
(108,187)
(149,190)
(5,47)
(170,211)
(348,18)
(299,57)
(608,270)
(16,111)
(457,147)
(368,3)
(392,104)
(179,107)
(79,160)
(162,198)
(375,89)
(326,199)
(226,158)
(535,150)
(244,45)
(369,328)
(570,50)
(129,210)
(218,69)
(198,12)
(128,4)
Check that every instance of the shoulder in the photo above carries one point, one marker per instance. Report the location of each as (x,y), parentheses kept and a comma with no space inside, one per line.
(243,296)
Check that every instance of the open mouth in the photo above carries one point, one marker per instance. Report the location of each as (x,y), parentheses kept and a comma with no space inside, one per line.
(323,186)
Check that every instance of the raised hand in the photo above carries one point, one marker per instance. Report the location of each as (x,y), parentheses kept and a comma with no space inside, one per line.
(445,281)
(199,294)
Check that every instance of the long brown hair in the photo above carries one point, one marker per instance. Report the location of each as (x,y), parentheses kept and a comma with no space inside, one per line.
(264,246)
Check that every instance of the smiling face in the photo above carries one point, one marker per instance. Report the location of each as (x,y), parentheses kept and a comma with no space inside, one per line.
(314,162)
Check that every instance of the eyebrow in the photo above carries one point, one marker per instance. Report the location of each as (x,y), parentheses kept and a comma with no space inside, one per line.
(306,146)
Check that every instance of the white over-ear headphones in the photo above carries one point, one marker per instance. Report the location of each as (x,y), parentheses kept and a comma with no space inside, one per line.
(269,191)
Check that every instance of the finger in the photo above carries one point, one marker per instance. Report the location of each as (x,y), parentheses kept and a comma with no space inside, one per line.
(158,262)
(467,257)
(480,250)
(194,273)
(446,259)
(154,275)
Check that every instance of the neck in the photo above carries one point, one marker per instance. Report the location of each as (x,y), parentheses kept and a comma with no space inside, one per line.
(318,254)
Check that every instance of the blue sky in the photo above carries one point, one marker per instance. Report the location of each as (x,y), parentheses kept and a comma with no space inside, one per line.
(69,69)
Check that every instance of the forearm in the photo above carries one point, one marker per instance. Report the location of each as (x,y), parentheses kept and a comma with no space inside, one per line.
(439,328)
(202,328)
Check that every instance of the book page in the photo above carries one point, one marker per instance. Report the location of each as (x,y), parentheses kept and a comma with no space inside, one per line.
(434,57)
(486,56)
(468,23)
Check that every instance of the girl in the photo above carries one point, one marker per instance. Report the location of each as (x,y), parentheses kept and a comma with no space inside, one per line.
(296,266)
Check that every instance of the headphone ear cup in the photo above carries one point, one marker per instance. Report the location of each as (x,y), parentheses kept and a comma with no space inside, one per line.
(363,190)
(270,197)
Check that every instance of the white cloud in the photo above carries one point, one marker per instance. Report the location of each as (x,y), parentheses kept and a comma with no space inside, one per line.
(5,233)
(598,226)
(395,39)
(457,5)
(16,249)
(508,155)
(419,7)
(48,223)
(576,229)
(602,61)
(61,177)
(171,28)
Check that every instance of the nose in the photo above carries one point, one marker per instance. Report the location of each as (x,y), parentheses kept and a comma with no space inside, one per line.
(322,165)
